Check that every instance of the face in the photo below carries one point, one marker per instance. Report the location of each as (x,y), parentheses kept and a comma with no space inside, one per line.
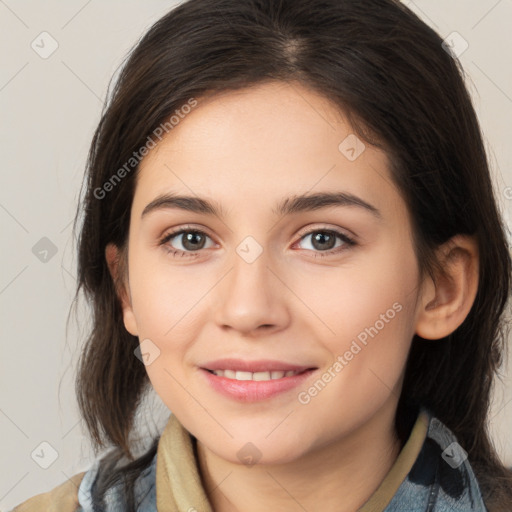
(324,290)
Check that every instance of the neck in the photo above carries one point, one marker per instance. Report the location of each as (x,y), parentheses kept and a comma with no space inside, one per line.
(338,477)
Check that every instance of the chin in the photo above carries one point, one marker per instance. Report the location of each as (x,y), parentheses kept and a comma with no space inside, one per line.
(256,450)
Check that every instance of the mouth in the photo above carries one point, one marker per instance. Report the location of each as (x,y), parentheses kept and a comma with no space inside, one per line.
(254,381)
(255,376)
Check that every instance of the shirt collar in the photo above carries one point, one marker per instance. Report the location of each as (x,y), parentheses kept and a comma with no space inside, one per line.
(179,486)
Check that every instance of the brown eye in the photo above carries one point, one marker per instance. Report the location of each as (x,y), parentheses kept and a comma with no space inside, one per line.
(192,240)
(324,241)
(185,241)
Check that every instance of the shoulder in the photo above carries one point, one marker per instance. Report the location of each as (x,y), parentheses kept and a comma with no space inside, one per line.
(115,498)
(442,476)
(76,494)
(63,498)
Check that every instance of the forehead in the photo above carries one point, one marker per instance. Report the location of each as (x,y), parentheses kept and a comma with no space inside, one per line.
(274,139)
(279,114)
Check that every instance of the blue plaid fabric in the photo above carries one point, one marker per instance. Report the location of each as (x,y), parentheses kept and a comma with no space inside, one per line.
(441,480)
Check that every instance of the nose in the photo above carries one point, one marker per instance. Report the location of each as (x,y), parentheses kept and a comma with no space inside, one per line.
(252,297)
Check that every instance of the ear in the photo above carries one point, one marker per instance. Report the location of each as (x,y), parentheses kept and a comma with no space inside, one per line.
(445,304)
(119,276)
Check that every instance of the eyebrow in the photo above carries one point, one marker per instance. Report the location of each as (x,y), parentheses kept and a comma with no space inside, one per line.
(295,204)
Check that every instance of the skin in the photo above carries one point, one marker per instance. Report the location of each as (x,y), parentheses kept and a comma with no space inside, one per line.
(248,150)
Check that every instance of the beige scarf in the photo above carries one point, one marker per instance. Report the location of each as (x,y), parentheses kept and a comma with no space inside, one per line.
(179,487)
(178,483)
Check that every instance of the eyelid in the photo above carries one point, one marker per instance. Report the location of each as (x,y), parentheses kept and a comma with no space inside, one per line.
(184,229)
(349,240)
(324,227)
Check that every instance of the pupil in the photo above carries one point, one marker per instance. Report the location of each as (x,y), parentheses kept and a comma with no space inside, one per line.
(321,238)
(191,238)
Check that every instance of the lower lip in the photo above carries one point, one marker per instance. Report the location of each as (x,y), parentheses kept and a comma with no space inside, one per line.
(254,391)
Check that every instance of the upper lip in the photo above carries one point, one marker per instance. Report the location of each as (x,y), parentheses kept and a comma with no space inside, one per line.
(253,366)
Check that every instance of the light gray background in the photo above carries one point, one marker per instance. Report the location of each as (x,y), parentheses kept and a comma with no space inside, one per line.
(49,109)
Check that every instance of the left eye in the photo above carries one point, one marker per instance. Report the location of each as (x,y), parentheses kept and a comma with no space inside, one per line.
(324,241)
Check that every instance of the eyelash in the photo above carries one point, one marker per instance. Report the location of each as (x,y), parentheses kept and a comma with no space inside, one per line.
(348,241)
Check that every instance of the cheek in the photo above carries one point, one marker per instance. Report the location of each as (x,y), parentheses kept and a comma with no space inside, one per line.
(165,296)
(368,310)
(371,320)
(168,304)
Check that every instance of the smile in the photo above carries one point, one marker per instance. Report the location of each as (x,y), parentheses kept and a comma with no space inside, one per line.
(246,380)
(258,376)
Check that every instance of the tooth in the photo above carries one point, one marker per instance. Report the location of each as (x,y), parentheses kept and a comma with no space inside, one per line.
(261,376)
(257,376)
(243,376)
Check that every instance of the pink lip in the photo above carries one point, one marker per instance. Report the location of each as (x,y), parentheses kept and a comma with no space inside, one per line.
(253,366)
(254,391)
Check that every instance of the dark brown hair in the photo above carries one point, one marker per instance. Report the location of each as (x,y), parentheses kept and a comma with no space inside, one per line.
(386,70)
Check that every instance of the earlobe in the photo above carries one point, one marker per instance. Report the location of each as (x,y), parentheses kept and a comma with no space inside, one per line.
(445,304)
(113,257)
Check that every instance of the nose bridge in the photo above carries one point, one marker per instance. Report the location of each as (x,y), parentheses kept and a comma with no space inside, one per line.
(250,295)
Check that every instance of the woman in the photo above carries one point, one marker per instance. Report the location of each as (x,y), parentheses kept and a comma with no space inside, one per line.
(239,139)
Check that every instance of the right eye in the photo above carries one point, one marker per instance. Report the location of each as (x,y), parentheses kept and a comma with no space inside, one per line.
(190,240)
